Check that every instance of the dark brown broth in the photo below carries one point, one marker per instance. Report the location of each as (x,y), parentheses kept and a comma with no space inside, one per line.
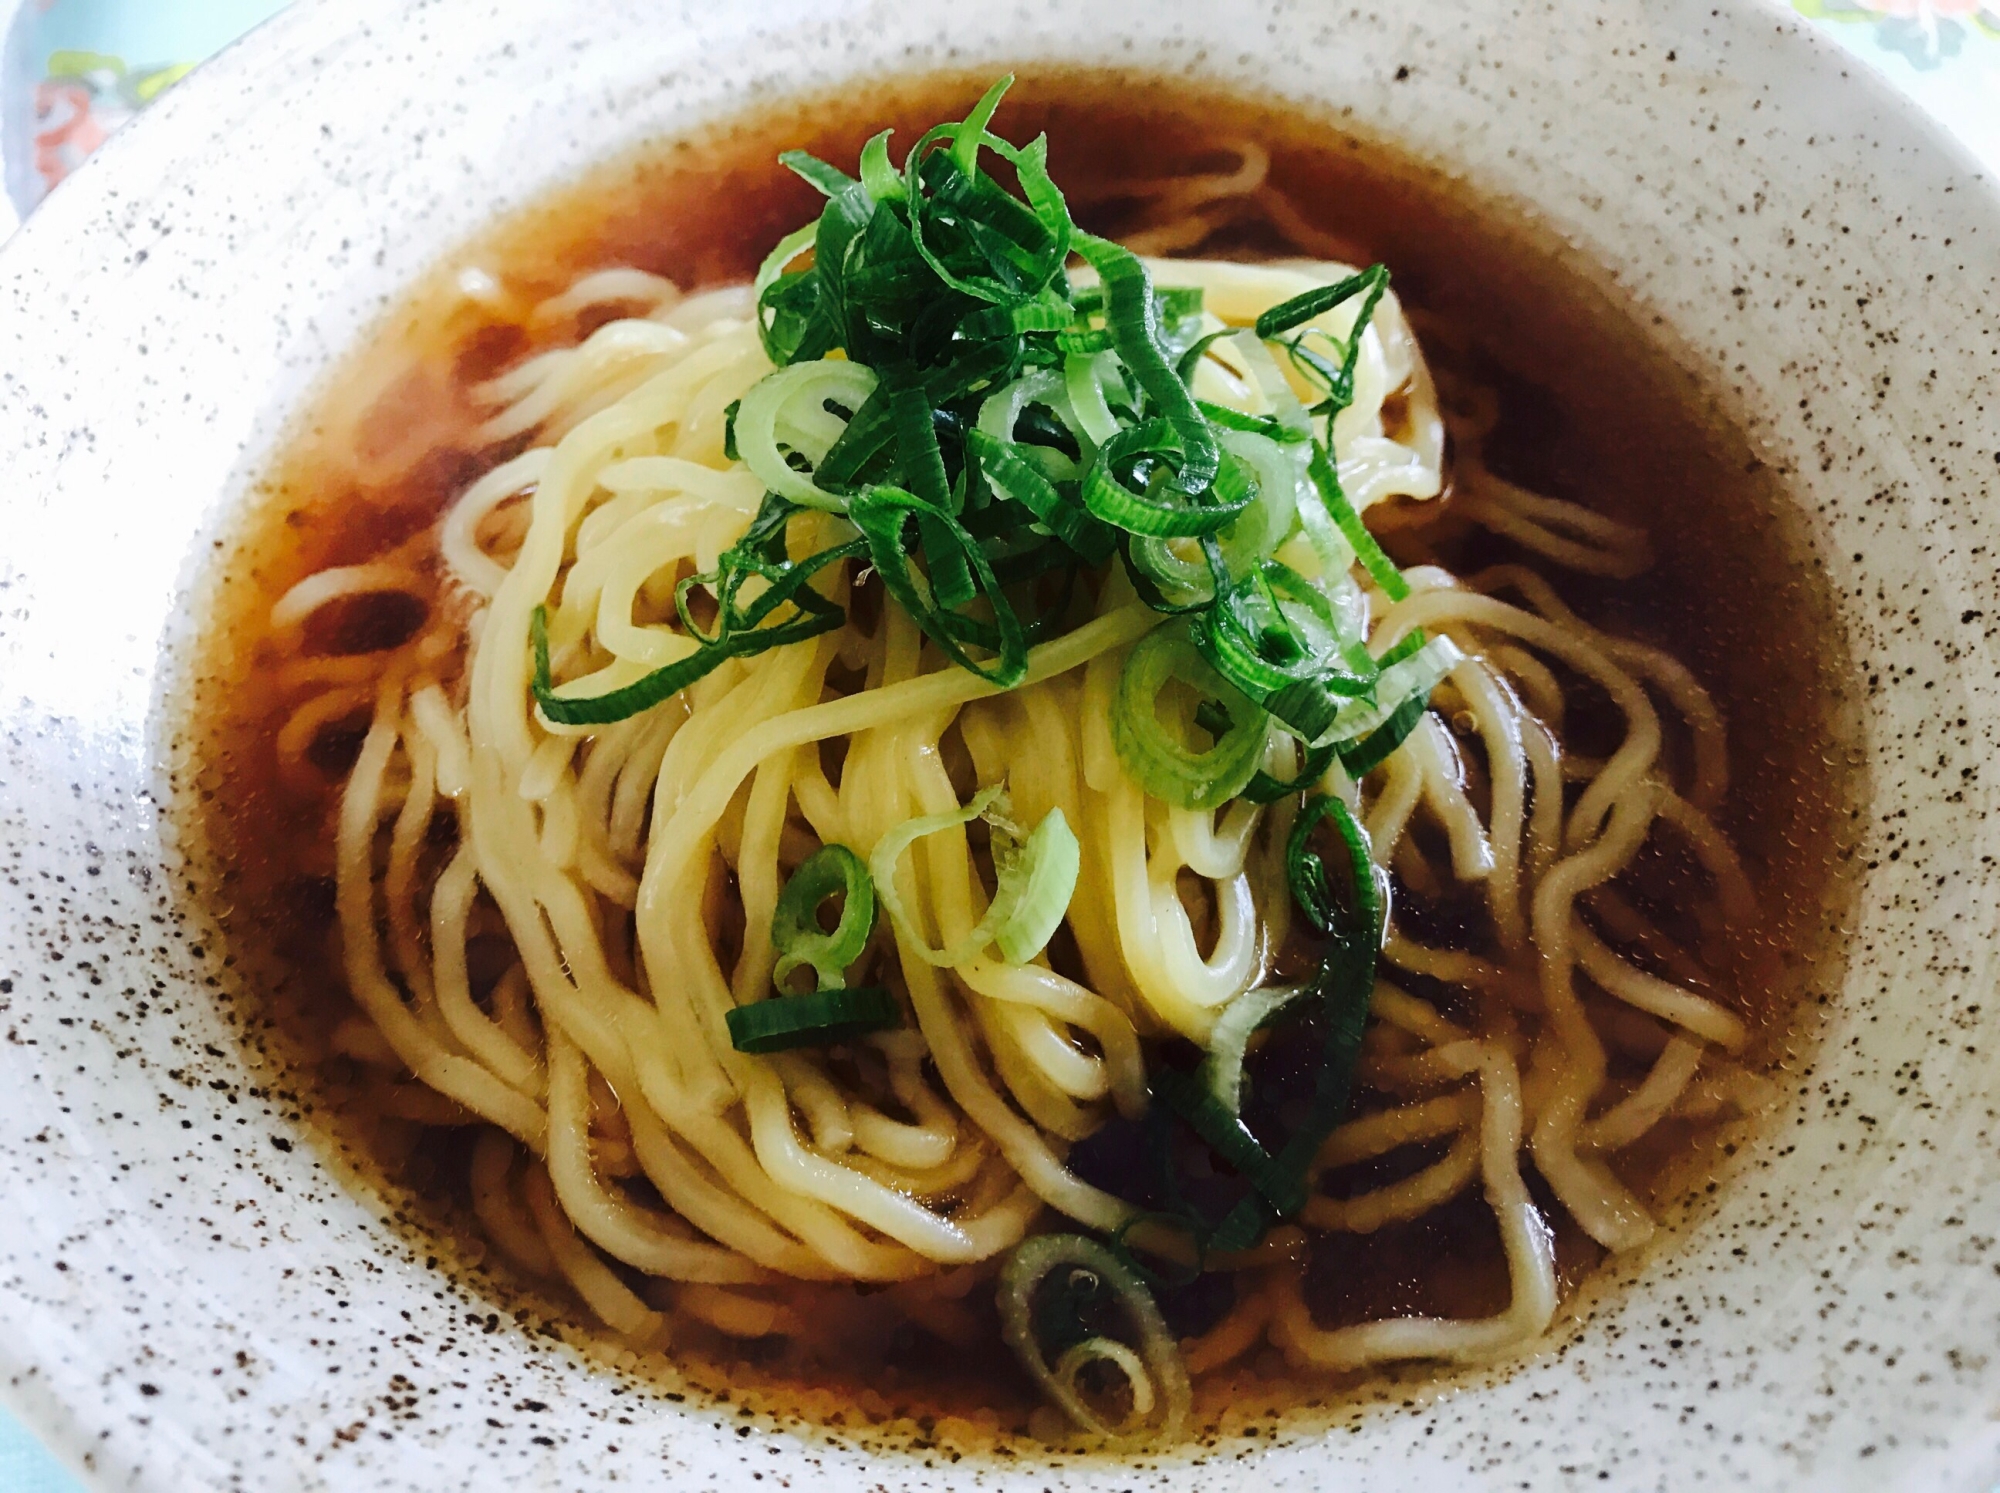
(1593,410)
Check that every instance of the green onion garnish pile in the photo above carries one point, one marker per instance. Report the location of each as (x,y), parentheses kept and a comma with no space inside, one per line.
(986,436)
(992,434)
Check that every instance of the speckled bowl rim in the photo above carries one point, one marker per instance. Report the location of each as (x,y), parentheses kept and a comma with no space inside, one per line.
(1831,1322)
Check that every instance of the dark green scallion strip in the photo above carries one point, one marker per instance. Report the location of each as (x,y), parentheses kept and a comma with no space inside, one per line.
(1229,1138)
(880,513)
(1407,646)
(1306,707)
(1139,450)
(788,317)
(1306,872)
(1362,757)
(1378,565)
(1345,981)
(1241,1227)
(1085,344)
(1265,789)
(663,684)
(1190,360)
(872,428)
(1048,315)
(1271,429)
(842,222)
(923,471)
(980,241)
(1131,314)
(1045,198)
(729,451)
(1250,641)
(1310,304)
(965,148)
(1179,302)
(760,555)
(829,181)
(821,1018)
(1015,478)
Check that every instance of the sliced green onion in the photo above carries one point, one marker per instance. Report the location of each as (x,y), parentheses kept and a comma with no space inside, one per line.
(1159,763)
(1409,645)
(965,149)
(1004,321)
(879,512)
(790,247)
(1242,1227)
(1004,427)
(1179,302)
(1034,881)
(1083,382)
(1185,581)
(844,220)
(1086,344)
(1270,381)
(829,181)
(1344,985)
(867,435)
(1174,583)
(1220,1126)
(1001,411)
(1268,426)
(818,1019)
(922,462)
(729,410)
(1012,477)
(831,870)
(1189,363)
(1229,1038)
(1312,304)
(1413,678)
(1374,749)
(1326,481)
(1307,874)
(1275,637)
(1095,1350)
(1354,919)
(1046,1287)
(977,239)
(1266,789)
(1131,314)
(1143,451)
(1275,477)
(883,181)
(1182,1254)
(805,387)
(816,616)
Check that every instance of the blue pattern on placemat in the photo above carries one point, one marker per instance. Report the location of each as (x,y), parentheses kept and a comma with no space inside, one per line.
(25,1467)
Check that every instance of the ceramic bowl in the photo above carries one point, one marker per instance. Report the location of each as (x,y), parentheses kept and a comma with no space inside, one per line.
(193,1299)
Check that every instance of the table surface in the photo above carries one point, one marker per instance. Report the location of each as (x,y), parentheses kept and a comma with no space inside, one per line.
(74,70)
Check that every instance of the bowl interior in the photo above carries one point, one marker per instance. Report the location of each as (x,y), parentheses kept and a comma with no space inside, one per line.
(197,1294)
